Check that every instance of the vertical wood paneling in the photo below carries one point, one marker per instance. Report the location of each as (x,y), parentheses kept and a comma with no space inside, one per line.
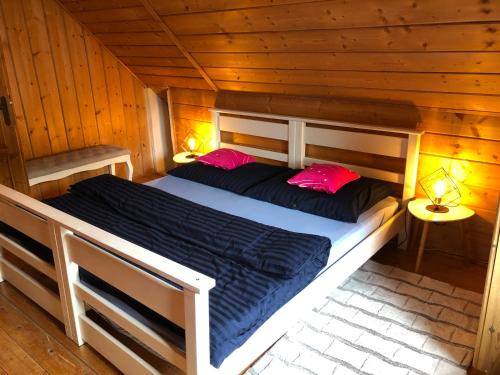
(81,77)
(64,75)
(24,72)
(68,90)
(141,110)
(114,92)
(130,113)
(99,89)
(24,77)
(45,73)
(11,137)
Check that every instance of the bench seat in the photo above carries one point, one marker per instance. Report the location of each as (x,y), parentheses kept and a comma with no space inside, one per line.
(57,166)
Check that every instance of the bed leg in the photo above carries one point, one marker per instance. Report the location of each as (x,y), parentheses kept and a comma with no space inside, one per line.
(197,332)
(67,275)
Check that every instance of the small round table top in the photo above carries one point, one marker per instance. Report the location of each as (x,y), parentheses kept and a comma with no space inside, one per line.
(182,157)
(417,209)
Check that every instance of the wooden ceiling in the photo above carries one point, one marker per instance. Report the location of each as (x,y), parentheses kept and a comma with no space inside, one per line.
(442,54)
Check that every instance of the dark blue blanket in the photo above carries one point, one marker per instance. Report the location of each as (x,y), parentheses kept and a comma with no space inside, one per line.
(257,268)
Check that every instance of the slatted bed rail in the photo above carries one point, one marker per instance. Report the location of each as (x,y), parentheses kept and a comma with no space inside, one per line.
(183,300)
(176,292)
(22,213)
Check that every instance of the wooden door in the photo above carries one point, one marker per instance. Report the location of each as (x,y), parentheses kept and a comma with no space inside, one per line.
(12,172)
(488,340)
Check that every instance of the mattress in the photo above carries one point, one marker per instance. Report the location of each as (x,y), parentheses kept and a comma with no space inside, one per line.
(343,236)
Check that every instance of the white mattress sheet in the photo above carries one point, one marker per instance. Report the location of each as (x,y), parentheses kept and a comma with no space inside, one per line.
(343,236)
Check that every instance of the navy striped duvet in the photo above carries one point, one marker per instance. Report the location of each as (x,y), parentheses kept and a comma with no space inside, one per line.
(257,268)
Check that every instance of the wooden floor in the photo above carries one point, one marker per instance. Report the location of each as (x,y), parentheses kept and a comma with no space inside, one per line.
(32,342)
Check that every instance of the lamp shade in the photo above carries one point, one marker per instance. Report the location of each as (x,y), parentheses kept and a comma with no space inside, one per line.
(440,188)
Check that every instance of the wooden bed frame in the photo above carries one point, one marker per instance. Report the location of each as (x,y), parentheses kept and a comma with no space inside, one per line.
(141,273)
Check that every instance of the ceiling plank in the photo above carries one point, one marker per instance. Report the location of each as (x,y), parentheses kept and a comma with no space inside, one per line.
(334,14)
(177,42)
(488,84)
(162,82)
(437,62)
(443,101)
(194,6)
(83,6)
(465,38)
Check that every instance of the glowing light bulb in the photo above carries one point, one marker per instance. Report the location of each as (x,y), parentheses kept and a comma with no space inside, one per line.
(191,144)
(439,189)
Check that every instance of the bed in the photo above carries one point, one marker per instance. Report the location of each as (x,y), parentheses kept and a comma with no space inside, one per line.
(185,291)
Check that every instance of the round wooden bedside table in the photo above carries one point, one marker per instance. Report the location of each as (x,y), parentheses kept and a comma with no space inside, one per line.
(418,210)
(182,157)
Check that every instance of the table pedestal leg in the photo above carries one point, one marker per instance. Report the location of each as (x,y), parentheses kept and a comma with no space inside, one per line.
(414,233)
(421,247)
(411,231)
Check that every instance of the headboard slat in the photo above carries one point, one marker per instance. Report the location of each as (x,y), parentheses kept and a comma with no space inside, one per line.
(254,127)
(381,141)
(266,154)
(369,143)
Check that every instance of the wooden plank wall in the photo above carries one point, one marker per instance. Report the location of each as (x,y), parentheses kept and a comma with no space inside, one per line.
(68,90)
(128,29)
(465,144)
(379,61)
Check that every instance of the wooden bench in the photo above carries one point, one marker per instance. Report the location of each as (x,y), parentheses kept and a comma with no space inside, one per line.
(55,167)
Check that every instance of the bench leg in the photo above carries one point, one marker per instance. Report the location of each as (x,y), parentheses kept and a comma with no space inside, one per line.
(130,170)
(112,169)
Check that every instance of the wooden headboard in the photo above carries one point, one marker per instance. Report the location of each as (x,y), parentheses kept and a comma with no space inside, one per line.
(384,153)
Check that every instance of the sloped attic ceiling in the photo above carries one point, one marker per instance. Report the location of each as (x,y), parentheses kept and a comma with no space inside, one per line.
(135,32)
(406,50)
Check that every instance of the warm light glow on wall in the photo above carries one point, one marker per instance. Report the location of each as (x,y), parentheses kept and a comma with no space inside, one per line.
(459,170)
(201,132)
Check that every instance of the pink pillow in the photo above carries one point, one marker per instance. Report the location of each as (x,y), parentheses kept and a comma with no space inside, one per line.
(226,158)
(324,177)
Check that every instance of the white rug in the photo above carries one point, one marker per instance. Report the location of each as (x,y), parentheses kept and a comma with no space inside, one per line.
(383,321)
